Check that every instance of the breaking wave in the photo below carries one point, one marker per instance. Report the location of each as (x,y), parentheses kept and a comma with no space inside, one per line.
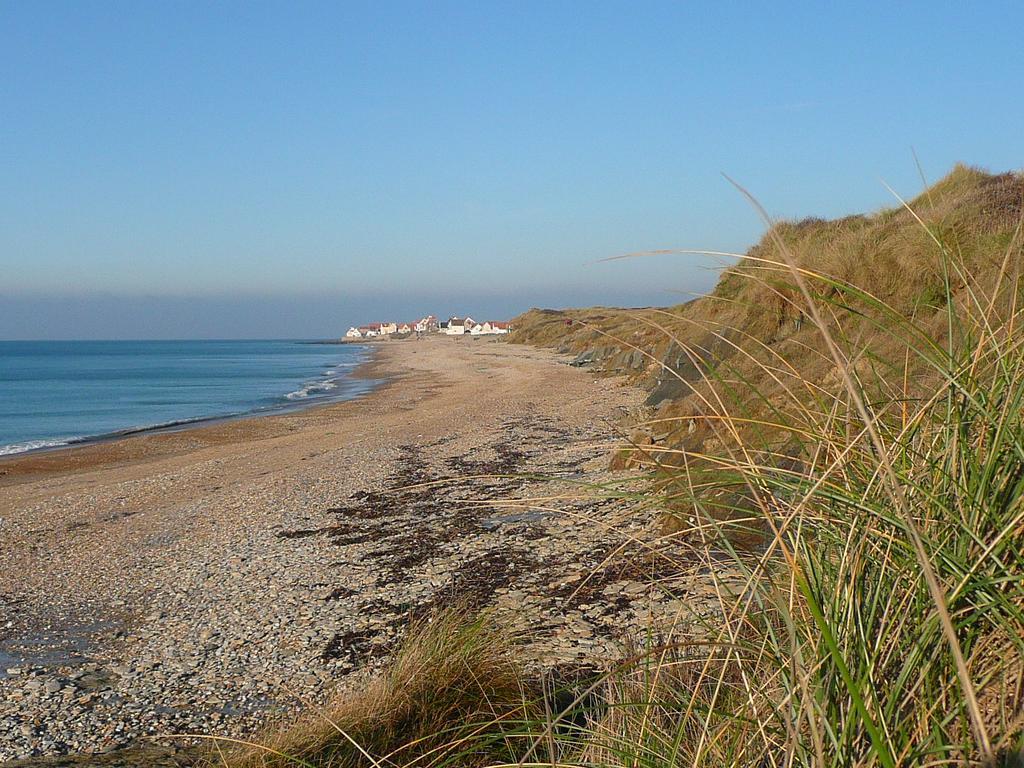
(35,445)
(312,390)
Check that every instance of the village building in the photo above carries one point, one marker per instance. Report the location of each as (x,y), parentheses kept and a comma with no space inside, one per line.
(495,326)
(487,328)
(427,324)
(453,326)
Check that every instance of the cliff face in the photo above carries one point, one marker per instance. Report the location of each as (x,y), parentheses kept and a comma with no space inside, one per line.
(880,281)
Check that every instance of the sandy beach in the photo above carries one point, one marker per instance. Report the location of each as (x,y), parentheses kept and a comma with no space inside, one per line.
(208,580)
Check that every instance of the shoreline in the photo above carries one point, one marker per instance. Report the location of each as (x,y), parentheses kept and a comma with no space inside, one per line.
(199,422)
(215,579)
(115,447)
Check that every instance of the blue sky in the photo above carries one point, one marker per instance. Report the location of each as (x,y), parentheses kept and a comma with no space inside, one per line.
(286,169)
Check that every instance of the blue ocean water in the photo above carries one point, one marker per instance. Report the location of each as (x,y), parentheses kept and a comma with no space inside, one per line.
(60,392)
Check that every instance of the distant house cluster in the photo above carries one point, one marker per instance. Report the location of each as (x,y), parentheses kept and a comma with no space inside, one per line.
(453,326)
(459,326)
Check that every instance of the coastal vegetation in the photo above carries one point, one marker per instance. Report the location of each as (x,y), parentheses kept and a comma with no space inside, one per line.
(840,422)
(454,692)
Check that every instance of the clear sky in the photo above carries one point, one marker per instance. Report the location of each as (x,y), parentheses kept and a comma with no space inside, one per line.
(175,169)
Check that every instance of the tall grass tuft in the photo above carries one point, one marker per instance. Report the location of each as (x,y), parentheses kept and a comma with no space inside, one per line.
(454,693)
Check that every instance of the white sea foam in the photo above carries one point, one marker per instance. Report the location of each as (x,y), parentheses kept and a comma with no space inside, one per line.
(31,445)
(314,388)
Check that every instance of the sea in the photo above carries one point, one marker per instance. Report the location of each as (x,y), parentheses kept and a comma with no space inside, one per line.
(58,393)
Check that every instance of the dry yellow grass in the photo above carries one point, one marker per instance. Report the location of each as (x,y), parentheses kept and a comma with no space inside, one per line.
(454,692)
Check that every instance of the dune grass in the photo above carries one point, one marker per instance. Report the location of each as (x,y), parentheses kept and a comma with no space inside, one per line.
(882,618)
(853,484)
(454,693)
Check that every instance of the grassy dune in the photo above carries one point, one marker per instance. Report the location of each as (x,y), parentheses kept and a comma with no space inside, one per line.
(842,422)
(876,273)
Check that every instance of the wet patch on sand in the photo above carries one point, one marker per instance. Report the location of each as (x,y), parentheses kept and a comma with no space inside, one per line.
(31,643)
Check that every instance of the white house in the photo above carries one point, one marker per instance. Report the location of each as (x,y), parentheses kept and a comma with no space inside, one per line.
(353,333)
(494,326)
(405,328)
(456,326)
(386,329)
(475,329)
(427,324)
